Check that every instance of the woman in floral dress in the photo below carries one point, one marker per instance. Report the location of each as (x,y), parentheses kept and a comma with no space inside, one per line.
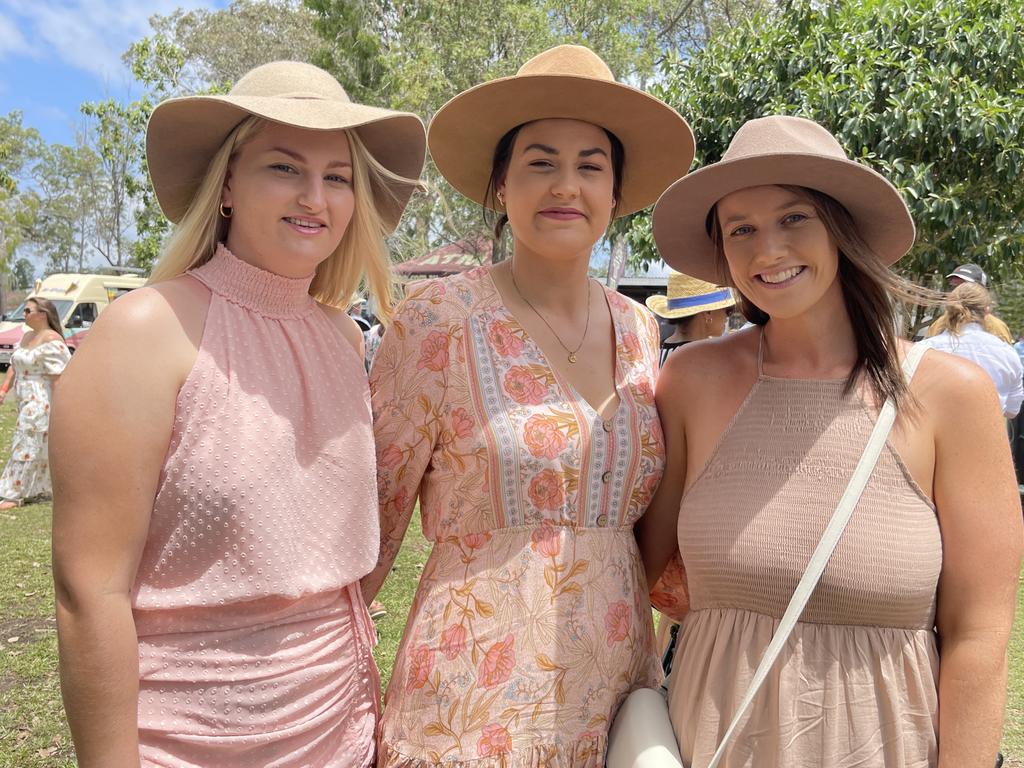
(516,403)
(36,363)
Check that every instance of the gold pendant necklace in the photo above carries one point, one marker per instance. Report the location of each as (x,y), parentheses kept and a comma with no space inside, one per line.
(586,328)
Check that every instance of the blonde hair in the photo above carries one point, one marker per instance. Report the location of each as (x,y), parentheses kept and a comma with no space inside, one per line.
(361,257)
(968,303)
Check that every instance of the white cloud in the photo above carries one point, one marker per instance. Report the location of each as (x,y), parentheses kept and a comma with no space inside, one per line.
(11,39)
(90,35)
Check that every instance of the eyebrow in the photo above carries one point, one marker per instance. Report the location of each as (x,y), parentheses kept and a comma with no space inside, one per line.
(788,204)
(552,151)
(299,158)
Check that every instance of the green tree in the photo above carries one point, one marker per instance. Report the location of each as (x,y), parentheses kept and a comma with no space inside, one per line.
(927,92)
(19,146)
(23,275)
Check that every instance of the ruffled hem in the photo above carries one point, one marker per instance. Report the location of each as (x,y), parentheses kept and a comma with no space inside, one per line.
(589,753)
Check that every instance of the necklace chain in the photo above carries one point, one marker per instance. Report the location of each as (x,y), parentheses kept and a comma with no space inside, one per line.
(586,328)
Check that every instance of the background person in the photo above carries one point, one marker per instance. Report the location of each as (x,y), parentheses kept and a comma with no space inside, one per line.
(516,402)
(963,333)
(973,274)
(695,309)
(899,658)
(36,363)
(209,545)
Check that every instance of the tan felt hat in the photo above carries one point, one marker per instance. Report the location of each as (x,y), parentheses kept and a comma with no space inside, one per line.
(184,133)
(689,296)
(568,81)
(778,150)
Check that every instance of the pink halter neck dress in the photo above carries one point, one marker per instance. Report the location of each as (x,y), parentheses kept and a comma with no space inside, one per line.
(254,642)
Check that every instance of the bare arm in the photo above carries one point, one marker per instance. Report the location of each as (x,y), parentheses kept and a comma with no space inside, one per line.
(980,519)
(110,427)
(656,530)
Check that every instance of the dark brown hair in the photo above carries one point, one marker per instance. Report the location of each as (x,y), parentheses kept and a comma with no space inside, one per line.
(869,289)
(52,318)
(499,166)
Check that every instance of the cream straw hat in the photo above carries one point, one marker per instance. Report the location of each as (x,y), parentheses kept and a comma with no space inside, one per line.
(689,296)
(184,133)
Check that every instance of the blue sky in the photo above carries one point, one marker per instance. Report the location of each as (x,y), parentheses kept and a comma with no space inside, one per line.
(55,54)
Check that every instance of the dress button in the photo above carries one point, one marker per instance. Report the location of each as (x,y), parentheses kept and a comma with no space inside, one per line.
(606,477)
(606,425)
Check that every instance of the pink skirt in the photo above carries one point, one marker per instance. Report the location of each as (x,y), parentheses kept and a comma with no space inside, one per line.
(282,683)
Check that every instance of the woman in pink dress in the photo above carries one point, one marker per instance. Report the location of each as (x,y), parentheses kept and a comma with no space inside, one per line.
(516,402)
(208,545)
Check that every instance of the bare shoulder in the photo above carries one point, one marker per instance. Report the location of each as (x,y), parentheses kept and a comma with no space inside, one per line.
(942,379)
(956,394)
(702,363)
(160,325)
(349,328)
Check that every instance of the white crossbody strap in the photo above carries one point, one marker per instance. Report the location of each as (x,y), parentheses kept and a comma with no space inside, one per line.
(823,552)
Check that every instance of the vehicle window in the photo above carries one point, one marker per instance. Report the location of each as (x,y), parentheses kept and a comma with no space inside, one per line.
(84,314)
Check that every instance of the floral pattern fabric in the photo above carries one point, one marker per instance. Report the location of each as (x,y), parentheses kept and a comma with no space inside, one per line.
(531,622)
(27,474)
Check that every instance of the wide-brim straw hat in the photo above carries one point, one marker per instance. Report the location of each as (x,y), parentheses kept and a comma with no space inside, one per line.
(568,81)
(185,133)
(778,150)
(687,295)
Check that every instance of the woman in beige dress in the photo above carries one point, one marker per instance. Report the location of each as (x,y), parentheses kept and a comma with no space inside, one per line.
(763,428)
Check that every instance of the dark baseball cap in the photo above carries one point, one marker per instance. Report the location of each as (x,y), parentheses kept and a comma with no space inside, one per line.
(970,273)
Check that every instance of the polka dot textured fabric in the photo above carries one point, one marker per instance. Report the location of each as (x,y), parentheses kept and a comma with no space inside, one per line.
(254,643)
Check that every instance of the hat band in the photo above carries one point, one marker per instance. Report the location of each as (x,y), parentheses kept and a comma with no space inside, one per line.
(693,301)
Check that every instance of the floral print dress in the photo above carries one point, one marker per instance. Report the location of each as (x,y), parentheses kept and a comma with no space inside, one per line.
(531,622)
(27,474)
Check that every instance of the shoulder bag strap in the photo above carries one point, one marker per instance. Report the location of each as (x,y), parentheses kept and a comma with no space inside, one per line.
(823,552)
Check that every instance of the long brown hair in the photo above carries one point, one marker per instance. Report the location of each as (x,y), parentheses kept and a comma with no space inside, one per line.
(499,166)
(869,290)
(52,318)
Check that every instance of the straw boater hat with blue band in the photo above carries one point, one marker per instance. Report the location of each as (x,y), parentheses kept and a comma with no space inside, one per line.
(778,150)
(568,81)
(185,133)
(688,296)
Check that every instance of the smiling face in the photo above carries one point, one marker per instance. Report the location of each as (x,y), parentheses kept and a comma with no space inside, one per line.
(780,254)
(291,198)
(558,187)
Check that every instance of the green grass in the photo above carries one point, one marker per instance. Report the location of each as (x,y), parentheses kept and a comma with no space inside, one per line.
(33,731)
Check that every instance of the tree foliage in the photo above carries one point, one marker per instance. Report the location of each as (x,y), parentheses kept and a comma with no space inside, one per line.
(927,92)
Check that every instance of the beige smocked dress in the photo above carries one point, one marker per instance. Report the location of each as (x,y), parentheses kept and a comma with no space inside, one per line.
(856,684)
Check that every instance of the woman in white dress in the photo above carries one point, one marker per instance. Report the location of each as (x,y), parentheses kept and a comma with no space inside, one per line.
(37,361)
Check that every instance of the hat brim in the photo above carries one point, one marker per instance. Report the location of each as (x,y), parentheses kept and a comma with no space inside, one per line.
(680,217)
(184,134)
(658,142)
(658,304)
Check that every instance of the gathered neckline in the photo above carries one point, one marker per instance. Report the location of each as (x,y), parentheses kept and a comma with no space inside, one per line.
(263,292)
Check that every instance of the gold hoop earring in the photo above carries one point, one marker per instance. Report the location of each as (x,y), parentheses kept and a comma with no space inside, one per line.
(226,212)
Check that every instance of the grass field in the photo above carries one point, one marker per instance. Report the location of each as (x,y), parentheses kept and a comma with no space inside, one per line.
(33,732)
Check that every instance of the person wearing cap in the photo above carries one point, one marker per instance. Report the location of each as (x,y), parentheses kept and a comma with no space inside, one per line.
(962,332)
(695,309)
(208,545)
(763,429)
(972,273)
(516,402)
